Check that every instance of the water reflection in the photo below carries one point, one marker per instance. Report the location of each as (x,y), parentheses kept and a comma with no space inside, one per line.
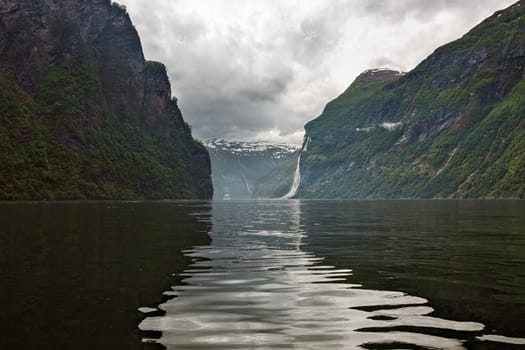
(256,286)
(72,274)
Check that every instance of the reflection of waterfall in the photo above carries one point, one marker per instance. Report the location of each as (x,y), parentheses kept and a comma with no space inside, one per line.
(297,174)
(255,288)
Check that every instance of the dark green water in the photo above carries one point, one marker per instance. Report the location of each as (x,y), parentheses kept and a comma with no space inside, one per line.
(73,274)
(263,275)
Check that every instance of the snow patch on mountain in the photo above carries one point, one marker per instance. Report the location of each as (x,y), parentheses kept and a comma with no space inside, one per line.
(276,150)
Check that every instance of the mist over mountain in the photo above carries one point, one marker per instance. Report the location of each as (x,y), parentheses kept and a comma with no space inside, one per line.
(245,170)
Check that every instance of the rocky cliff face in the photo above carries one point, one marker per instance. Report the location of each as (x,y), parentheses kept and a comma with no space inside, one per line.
(452,127)
(85,116)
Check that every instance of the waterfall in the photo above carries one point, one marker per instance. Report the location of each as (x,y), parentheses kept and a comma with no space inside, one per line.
(297,174)
(248,188)
(296,180)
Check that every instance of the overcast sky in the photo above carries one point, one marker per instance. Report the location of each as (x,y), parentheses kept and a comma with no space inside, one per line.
(260,69)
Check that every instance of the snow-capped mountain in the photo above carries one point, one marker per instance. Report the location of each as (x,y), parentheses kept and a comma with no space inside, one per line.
(275,150)
(243,170)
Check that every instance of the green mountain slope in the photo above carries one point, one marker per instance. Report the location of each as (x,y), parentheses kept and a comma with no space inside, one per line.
(83,115)
(453,127)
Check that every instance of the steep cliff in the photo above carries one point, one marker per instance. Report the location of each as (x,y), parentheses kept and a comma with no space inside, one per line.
(452,127)
(83,115)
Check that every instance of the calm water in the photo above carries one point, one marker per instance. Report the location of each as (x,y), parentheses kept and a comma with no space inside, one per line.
(263,275)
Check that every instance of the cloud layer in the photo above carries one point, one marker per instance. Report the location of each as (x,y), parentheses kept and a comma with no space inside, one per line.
(260,69)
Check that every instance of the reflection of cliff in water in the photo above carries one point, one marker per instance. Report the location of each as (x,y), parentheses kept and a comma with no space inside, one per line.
(254,287)
(72,273)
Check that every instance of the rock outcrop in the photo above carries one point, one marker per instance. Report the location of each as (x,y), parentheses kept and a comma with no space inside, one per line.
(84,114)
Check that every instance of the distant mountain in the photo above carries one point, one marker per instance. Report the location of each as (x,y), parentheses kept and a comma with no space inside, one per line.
(454,127)
(83,115)
(244,170)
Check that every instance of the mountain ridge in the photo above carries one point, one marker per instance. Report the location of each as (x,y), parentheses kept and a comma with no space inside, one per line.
(453,127)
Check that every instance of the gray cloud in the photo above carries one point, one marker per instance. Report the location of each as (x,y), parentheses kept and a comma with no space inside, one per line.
(262,68)
(266,91)
(396,10)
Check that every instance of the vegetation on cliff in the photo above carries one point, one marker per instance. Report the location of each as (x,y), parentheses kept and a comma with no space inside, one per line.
(83,115)
(454,127)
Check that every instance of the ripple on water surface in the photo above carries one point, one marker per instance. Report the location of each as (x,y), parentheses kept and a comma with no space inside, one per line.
(254,287)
